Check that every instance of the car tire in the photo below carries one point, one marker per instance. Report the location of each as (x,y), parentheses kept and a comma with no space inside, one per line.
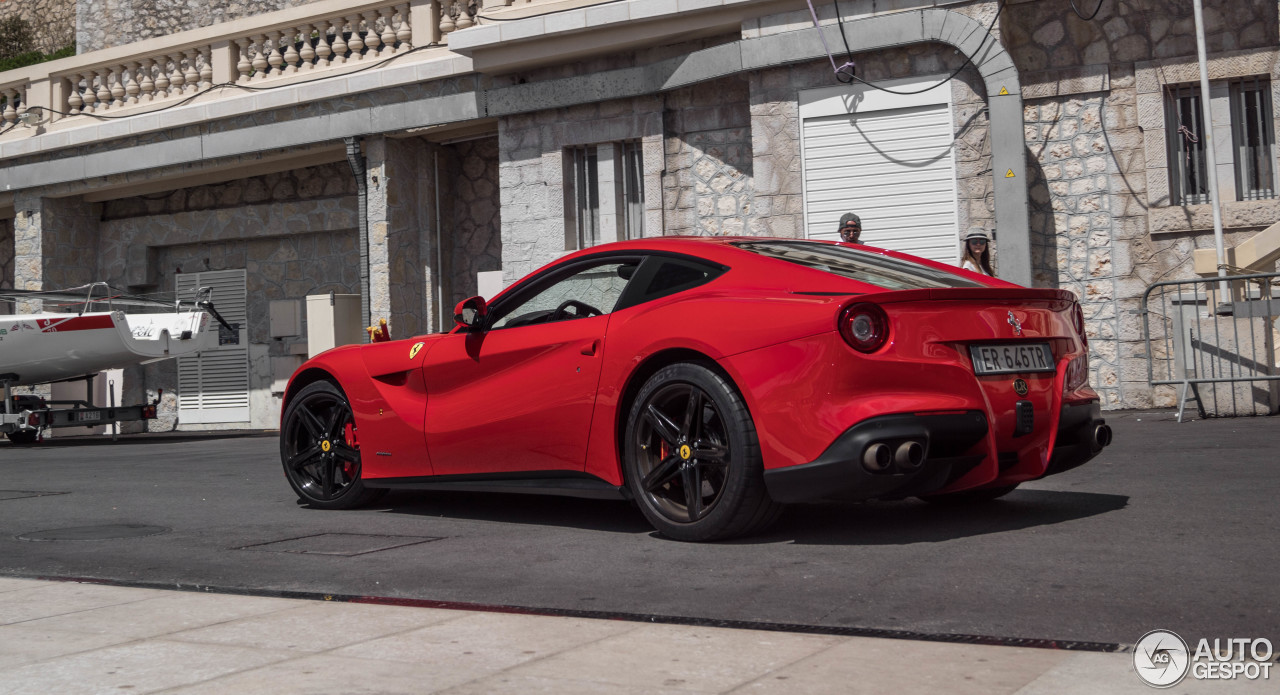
(320,451)
(692,458)
(22,437)
(967,497)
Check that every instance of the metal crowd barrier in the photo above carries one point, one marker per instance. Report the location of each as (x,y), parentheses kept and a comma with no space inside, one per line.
(1219,349)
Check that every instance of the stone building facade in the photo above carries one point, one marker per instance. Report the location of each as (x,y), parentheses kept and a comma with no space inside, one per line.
(453,200)
(100,24)
(52,22)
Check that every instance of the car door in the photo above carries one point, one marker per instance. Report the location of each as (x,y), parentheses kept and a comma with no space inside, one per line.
(517,395)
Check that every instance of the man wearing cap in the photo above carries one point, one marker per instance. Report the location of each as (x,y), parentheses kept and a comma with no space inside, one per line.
(850,228)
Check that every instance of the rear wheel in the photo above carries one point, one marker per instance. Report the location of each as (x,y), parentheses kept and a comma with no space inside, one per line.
(692,458)
(320,449)
(23,437)
(985,494)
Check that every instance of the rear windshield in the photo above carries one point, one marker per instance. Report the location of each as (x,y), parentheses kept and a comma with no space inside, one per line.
(889,273)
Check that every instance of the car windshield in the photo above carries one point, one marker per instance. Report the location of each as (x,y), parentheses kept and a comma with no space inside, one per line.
(873,268)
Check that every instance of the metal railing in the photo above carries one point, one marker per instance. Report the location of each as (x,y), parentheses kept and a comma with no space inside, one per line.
(1196,337)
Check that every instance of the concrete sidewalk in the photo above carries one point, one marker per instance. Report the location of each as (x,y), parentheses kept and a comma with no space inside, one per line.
(68,638)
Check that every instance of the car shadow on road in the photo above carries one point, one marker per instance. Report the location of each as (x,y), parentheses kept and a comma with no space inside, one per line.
(864,523)
(913,521)
(613,516)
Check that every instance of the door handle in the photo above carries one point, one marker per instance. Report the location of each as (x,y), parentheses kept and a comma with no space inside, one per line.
(590,348)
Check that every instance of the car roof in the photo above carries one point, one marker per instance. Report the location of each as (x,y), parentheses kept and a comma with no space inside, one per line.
(763,271)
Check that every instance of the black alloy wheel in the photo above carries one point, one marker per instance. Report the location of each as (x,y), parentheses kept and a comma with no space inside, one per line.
(692,458)
(320,449)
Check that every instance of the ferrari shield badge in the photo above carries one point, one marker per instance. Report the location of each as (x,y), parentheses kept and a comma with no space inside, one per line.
(413,351)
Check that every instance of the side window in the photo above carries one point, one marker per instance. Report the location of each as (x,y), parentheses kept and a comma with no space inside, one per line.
(591,291)
(662,276)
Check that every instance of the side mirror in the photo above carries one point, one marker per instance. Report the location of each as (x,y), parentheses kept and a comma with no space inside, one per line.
(470,312)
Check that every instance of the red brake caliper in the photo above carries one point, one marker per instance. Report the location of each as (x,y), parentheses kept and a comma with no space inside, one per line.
(349,436)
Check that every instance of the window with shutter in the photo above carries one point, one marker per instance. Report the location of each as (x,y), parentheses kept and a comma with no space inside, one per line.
(213,387)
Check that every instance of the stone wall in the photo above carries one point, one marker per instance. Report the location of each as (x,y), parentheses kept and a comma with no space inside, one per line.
(102,24)
(6,254)
(707,188)
(311,183)
(1074,221)
(476,235)
(1048,35)
(53,22)
(531,172)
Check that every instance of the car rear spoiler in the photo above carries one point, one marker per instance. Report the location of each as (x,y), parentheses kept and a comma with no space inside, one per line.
(1008,294)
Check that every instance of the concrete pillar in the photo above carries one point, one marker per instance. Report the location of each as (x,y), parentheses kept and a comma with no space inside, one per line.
(395,180)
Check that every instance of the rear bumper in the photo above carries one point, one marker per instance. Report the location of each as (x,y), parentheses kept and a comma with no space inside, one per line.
(1079,438)
(839,473)
(955,444)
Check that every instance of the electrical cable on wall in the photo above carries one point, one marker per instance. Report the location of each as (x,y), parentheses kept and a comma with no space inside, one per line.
(1081,15)
(852,74)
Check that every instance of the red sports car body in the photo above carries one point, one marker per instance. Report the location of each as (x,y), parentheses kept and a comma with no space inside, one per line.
(711,380)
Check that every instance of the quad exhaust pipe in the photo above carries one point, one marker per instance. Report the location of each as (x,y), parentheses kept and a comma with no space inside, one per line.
(1102,435)
(878,456)
(910,455)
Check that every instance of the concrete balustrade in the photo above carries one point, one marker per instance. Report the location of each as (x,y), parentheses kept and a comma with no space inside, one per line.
(312,38)
(15,101)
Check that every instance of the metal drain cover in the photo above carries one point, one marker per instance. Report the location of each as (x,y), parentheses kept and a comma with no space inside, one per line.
(344,544)
(19,494)
(95,533)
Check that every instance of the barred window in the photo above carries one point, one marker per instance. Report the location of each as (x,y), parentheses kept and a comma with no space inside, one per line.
(1188,166)
(584,187)
(1253,139)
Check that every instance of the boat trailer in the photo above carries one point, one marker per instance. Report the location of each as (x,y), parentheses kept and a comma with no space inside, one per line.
(25,417)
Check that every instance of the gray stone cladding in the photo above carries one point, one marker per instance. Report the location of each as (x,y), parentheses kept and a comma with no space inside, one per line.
(1101,221)
(477,221)
(531,173)
(1073,224)
(103,24)
(53,22)
(707,188)
(6,256)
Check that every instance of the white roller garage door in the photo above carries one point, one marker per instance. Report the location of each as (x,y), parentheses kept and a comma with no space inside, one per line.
(890,161)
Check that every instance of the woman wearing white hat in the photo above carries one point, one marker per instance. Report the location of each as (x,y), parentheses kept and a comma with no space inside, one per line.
(976,253)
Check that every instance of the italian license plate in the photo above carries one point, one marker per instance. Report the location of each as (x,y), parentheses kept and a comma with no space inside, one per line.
(1017,358)
(86,415)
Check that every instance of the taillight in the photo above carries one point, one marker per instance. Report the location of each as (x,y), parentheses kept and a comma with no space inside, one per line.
(1077,317)
(1077,373)
(865,327)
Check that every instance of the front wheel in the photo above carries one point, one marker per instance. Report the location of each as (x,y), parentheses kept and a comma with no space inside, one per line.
(692,458)
(320,449)
(966,497)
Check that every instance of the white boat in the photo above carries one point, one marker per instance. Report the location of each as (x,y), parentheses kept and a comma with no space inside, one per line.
(38,348)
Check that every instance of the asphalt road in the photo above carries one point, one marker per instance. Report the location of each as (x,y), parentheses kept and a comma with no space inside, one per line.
(1172,527)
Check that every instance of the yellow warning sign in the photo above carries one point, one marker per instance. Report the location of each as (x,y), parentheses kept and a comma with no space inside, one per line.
(1008,174)
(1004,91)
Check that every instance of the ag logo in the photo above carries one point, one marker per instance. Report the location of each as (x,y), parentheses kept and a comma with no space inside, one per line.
(413,351)
(1020,387)
(1161,659)
(325,445)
